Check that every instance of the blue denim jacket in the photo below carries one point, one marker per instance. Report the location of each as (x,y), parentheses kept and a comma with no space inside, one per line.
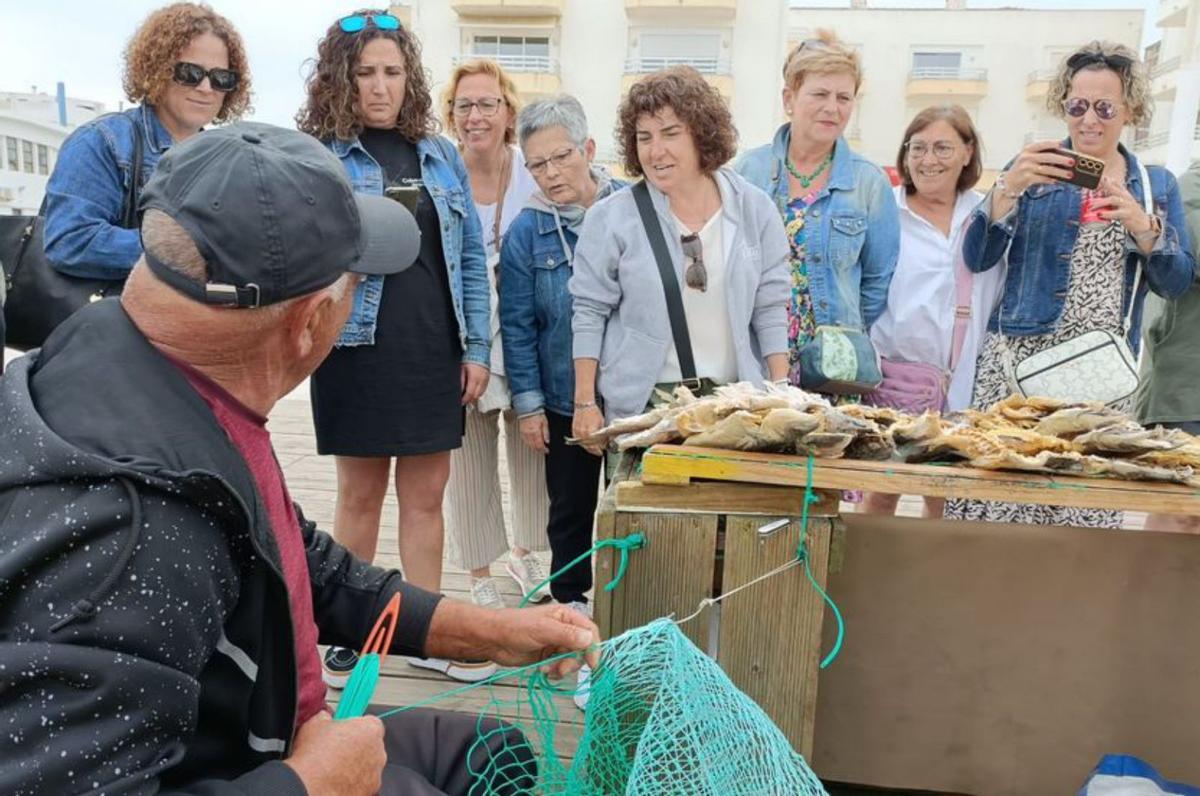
(853,247)
(85,197)
(1039,236)
(535,312)
(445,177)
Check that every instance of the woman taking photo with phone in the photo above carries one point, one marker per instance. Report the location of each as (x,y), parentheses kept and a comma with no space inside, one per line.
(415,350)
(1079,260)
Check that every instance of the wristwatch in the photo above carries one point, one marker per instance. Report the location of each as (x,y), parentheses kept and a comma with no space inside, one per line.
(1154,231)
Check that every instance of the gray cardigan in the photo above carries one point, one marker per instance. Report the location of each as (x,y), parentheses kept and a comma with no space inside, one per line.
(620,311)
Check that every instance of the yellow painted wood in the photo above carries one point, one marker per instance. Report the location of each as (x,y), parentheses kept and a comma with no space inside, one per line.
(722,498)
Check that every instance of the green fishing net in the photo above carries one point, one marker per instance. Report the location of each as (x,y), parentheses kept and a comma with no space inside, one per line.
(662,718)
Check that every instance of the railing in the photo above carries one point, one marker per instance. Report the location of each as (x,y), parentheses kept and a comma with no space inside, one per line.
(946,73)
(1041,76)
(1045,135)
(1160,139)
(706,66)
(515,63)
(1169,65)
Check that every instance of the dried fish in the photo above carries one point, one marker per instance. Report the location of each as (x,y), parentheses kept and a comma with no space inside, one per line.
(665,430)
(1127,437)
(824,444)
(1073,420)
(782,428)
(739,431)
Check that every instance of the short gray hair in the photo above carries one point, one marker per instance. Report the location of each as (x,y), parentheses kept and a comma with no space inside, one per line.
(561,110)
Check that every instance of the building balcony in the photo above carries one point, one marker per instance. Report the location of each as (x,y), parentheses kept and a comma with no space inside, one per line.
(715,70)
(1152,148)
(507,8)
(1046,135)
(402,13)
(1173,13)
(947,82)
(1164,79)
(533,75)
(1037,84)
(706,9)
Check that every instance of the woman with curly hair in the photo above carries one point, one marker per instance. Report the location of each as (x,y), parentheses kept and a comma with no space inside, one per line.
(416,348)
(726,247)
(842,223)
(1079,260)
(186,68)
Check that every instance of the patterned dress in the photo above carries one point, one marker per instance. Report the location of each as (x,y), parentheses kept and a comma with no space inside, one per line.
(1094,298)
(802,324)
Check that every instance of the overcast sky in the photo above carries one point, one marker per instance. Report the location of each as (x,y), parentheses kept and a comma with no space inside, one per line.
(80,41)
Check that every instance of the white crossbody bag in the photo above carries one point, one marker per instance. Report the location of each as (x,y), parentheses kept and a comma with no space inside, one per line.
(1094,366)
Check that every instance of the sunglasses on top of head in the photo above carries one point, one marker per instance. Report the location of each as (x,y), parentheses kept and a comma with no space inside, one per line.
(192,75)
(359,22)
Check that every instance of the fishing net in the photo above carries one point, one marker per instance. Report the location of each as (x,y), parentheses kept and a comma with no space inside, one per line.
(662,718)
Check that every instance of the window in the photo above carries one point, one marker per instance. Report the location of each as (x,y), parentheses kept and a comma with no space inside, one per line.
(699,50)
(27,155)
(43,166)
(11,155)
(519,53)
(937,61)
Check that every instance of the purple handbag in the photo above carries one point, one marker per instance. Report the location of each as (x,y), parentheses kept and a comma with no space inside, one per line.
(911,387)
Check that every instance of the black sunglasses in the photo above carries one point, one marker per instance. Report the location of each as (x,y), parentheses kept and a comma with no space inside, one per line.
(696,275)
(1117,63)
(192,75)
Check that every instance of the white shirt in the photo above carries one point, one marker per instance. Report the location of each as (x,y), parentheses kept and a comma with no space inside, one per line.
(706,310)
(918,322)
(521,186)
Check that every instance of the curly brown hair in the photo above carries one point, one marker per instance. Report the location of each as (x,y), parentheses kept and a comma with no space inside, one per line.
(1135,80)
(697,104)
(154,48)
(331,110)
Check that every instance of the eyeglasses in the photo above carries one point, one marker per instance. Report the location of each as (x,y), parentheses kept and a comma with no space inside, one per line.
(487,106)
(359,22)
(1078,106)
(942,150)
(192,75)
(1117,63)
(696,274)
(538,167)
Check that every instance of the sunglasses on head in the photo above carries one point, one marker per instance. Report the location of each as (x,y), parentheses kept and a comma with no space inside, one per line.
(359,22)
(1117,63)
(1078,106)
(192,75)
(696,275)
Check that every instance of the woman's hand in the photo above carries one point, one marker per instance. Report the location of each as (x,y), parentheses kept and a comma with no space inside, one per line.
(1036,165)
(588,421)
(535,432)
(1115,201)
(474,382)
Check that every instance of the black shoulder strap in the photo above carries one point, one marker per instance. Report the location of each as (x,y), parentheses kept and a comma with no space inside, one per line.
(666,270)
(130,219)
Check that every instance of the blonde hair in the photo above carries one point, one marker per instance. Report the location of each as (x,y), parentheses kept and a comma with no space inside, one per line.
(508,90)
(1135,83)
(823,55)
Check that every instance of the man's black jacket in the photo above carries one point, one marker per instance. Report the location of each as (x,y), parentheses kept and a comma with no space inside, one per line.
(146,643)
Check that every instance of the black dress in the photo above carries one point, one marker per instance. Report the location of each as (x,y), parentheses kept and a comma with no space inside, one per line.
(403,395)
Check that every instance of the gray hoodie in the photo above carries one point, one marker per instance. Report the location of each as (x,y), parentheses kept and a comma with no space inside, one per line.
(620,311)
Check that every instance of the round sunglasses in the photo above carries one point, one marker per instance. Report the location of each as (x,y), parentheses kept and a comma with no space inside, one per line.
(359,22)
(1078,106)
(192,75)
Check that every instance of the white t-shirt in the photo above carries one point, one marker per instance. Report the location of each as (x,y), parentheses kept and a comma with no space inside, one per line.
(706,310)
(918,323)
(521,186)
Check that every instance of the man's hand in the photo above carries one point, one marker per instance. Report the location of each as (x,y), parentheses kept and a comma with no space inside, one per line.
(339,758)
(529,635)
(474,382)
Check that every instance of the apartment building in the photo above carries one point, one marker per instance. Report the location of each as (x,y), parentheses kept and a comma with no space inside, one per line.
(32,128)
(1173,136)
(997,63)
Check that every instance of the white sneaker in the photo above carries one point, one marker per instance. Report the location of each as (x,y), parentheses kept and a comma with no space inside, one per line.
(582,688)
(529,573)
(485,593)
(463,671)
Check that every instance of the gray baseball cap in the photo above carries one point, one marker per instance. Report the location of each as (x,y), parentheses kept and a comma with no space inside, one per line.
(273,215)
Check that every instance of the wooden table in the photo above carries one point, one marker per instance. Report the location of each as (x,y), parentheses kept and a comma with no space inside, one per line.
(973,662)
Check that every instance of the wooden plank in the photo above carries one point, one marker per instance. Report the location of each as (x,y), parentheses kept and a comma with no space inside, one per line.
(722,498)
(671,461)
(770,634)
(605,562)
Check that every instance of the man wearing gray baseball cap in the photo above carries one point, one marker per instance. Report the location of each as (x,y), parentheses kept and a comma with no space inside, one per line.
(162,595)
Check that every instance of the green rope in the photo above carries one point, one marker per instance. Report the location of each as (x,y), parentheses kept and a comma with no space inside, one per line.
(635,541)
(810,498)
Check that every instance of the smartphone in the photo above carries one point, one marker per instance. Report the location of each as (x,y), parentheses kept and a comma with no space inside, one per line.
(1087,169)
(406,195)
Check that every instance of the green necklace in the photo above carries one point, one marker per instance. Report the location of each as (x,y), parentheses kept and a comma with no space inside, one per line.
(806,180)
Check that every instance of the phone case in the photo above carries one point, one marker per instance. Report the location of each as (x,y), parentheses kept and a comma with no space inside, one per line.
(1087,169)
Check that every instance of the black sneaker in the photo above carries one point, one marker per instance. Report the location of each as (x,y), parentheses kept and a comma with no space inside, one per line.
(338,664)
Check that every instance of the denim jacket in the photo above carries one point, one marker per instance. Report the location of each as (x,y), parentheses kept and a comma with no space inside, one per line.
(445,177)
(1039,235)
(85,196)
(535,311)
(854,244)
